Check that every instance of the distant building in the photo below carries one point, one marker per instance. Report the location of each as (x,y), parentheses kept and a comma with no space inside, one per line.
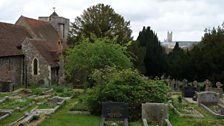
(169,44)
(31,50)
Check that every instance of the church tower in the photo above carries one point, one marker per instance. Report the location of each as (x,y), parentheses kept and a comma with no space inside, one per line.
(169,36)
(61,24)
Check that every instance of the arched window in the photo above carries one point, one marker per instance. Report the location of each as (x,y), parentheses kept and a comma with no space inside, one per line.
(35,66)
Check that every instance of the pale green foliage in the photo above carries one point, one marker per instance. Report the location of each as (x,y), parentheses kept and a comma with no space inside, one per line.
(87,56)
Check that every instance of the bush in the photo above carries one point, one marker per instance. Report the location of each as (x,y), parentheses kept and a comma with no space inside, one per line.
(125,86)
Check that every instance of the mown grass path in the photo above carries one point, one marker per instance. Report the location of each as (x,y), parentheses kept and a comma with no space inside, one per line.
(63,118)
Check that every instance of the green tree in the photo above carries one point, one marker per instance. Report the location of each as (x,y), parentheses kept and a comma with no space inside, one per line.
(155,56)
(177,62)
(207,57)
(86,56)
(137,53)
(102,21)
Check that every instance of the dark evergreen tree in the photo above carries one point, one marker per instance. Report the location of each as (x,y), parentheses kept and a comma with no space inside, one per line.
(207,57)
(155,57)
(177,63)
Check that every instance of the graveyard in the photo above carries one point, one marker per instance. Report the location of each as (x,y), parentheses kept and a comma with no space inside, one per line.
(61,105)
(101,70)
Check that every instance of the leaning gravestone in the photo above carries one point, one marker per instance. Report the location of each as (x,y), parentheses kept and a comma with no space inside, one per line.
(114,111)
(156,112)
(208,98)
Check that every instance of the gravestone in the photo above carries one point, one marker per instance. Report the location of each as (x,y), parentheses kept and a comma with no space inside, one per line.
(114,111)
(189,91)
(173,83)
(195,84)
(207,85)
(208,98)
(185,82)
(156,112)
(219,88)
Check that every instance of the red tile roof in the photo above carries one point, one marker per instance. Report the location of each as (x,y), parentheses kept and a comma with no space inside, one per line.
(42,34)
(11,36)
(40,30)
(46,51)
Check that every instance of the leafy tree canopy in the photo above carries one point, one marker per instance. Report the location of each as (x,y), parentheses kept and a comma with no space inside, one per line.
(86,56)
(102,21)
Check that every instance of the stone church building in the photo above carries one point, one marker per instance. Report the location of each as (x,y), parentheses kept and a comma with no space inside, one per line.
(31,50)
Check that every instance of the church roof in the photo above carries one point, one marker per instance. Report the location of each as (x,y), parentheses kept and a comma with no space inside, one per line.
(54,14)
(41,34)
(40,29)
(49,54)
(11,36)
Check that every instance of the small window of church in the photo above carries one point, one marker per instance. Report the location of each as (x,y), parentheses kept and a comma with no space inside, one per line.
(35,66)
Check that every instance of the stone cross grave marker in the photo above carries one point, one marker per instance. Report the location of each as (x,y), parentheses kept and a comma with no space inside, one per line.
(114,111)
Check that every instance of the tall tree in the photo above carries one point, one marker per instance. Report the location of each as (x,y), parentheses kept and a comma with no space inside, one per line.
(176,61)
(208,56)
(102,21)
(155,56)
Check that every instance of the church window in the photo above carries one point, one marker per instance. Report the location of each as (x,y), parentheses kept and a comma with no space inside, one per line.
(35,66)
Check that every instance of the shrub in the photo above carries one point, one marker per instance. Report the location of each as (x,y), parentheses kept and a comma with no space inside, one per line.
(125,86)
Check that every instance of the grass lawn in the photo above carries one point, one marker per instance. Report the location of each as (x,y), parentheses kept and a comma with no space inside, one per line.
(63,118)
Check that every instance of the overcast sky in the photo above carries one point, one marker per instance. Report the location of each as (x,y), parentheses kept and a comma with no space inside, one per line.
(186,18)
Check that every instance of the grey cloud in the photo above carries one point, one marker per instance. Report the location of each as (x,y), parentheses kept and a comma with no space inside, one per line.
(187,18)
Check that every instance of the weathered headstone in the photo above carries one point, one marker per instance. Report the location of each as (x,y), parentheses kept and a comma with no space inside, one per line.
(207,85)
(185,82)
(208,98)
(219,88)
(156,112)
(114,110)
(195,84)
(173,83)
